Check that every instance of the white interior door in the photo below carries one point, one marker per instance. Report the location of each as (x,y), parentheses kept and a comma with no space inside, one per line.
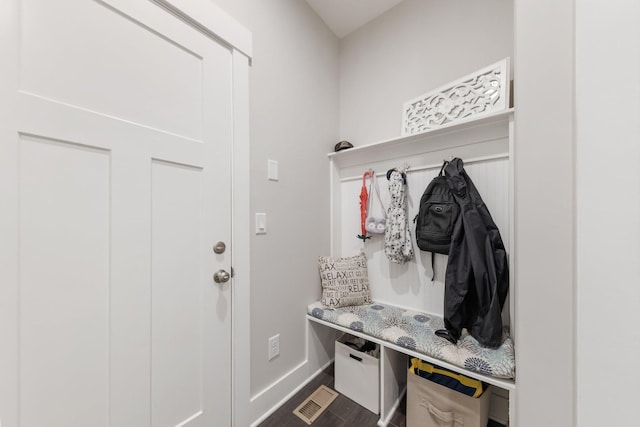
(115,151)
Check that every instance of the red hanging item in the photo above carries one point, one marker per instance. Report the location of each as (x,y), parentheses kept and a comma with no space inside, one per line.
(364,197)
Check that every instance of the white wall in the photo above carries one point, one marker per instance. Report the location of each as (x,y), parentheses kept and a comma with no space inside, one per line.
(608,212)
(294,120)
(417,46)
(544,214)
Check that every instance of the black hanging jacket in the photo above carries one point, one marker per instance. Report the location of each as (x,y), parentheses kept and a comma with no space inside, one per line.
(477,278)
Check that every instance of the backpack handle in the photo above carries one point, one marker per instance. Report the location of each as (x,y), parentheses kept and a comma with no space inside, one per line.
(444,165)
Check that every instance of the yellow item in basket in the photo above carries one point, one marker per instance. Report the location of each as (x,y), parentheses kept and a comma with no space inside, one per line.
(447,378)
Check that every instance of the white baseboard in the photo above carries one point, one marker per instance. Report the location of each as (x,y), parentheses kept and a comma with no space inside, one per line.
(268,400)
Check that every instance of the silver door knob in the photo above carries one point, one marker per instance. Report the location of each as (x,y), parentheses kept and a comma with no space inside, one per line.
(221,276)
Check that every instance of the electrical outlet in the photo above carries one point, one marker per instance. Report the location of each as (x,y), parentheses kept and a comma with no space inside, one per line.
(274,346)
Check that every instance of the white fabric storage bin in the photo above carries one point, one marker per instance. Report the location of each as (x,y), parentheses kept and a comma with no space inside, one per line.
(357,375)
(433,405)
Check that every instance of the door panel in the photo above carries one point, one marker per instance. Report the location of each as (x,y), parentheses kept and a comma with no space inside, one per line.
(176,321)
(64,283)
(95,45)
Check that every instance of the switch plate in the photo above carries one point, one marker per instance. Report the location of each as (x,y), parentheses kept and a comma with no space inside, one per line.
(274,346)
(272,170)
(261,223)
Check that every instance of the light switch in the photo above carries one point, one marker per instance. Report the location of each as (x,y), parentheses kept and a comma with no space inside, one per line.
(272,170)
(261,223)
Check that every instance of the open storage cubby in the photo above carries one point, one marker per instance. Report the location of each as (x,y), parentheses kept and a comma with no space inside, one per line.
(485,145)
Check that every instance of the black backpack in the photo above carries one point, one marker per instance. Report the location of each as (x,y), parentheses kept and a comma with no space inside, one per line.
(436,217)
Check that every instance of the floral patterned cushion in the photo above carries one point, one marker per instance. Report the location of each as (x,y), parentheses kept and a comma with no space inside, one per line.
(415,331)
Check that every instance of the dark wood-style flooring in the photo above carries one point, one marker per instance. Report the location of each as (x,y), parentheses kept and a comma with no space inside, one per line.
(343,412)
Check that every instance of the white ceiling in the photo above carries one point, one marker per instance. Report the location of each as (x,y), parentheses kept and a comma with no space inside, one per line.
(345,16)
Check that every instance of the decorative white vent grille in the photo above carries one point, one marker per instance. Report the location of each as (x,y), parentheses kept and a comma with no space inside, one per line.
(485,91)
(314,405)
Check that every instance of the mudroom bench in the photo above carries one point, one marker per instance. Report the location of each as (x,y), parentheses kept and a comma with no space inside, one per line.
(403,333)
(409,297)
